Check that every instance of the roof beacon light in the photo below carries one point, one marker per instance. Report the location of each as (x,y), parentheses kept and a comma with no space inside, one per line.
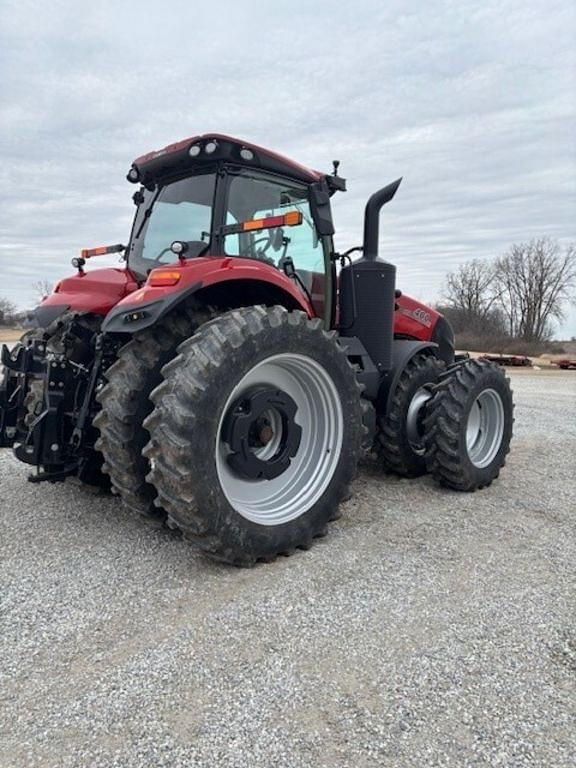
(194,150)
(246,154)
(133,175)
(211,147)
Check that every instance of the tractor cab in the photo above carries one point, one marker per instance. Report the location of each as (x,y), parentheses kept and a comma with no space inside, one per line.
(213,196)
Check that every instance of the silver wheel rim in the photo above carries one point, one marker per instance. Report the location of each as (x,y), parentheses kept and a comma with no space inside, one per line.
(413,419)
(295,491)
(485,428)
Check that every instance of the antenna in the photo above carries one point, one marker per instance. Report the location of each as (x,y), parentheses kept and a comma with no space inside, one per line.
(336,164)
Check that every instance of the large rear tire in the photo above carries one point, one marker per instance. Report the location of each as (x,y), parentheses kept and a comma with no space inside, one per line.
(255,434)
(468,425)
(125,401)
(399,440)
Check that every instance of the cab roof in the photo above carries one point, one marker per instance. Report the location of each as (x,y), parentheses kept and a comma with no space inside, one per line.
(174,158)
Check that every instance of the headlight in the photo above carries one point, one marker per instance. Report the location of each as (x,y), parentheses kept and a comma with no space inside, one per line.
(178,247)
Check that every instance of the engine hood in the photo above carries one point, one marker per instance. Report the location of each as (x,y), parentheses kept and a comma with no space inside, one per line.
(95,291)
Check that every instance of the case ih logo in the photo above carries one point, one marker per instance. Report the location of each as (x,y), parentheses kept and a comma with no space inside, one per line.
(420,315)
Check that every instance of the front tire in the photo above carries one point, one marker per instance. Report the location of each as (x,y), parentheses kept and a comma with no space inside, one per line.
(468,426)
(256,433)
(399,430)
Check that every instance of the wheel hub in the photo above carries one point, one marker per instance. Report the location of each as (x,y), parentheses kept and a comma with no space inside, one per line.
(266,434)
(320,417)
(261,432)
(485,428)
(415,419)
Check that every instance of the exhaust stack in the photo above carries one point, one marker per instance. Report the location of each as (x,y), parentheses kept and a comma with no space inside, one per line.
(367,288)
(372,218)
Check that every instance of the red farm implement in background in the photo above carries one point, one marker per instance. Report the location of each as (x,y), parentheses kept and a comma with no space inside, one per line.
(565,364)
(508,360)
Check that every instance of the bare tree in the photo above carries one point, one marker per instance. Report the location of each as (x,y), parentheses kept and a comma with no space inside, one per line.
(472,288)
(535,281)
(7,311)
(42,288)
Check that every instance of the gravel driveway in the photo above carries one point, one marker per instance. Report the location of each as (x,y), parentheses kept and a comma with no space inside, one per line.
(428,629)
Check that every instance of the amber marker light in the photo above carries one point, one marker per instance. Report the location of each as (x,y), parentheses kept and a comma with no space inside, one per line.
(87,253)
(291,219)
(159,279)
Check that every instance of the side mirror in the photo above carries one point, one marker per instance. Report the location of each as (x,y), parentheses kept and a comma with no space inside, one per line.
(320,205)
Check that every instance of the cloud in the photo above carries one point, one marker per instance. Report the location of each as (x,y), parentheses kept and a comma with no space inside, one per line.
(473,104)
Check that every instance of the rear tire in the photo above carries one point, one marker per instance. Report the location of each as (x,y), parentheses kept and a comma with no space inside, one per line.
(125,401)
(205,484)
(399,440)
(468,426)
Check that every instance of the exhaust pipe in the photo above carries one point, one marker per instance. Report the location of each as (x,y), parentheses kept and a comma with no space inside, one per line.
(367,289)
(372,218)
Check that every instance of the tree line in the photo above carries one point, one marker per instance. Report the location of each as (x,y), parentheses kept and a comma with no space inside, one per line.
(9,312)
(518,296)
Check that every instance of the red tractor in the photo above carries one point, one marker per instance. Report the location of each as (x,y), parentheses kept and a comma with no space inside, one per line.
(228,378)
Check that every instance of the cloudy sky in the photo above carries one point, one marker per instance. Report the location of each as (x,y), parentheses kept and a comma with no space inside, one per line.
(473,103)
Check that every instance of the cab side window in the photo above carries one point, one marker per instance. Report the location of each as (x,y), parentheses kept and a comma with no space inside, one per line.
(257,197)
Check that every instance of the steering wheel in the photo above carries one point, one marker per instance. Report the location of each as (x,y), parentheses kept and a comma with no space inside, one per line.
(266,239)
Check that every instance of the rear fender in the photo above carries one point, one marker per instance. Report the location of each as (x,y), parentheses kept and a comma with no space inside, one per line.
(201,278)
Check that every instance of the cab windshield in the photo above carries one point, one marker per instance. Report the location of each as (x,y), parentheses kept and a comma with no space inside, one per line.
(181,210)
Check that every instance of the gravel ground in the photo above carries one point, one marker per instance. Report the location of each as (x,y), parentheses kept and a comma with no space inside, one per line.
(428,629)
